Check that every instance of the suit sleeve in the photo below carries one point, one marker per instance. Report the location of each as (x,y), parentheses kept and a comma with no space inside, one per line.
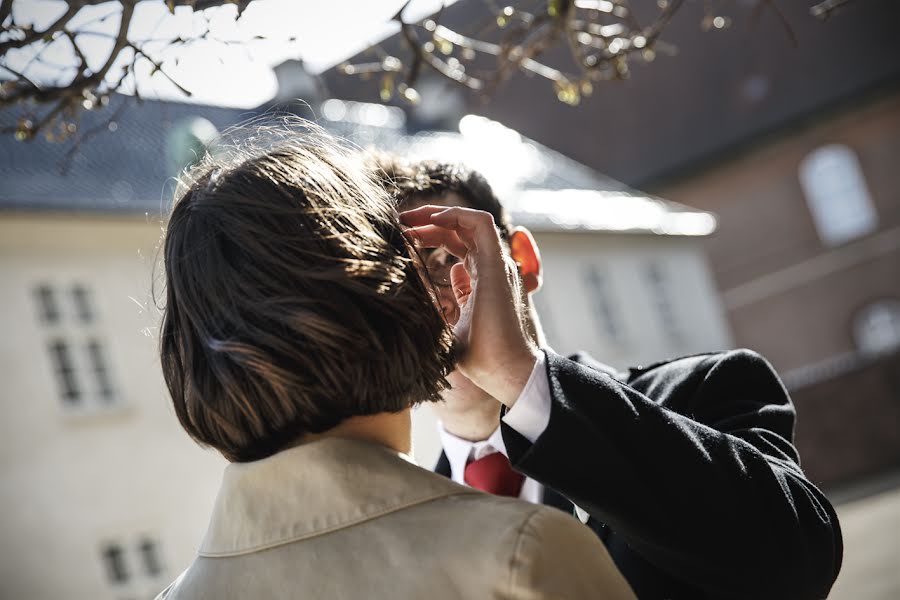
(714,496)
(555,556)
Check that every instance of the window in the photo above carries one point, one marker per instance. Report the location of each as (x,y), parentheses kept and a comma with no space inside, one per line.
(600,293)
(114,559)
(836,194)
(662,296)
(98,366)
(877,327)
(76,354)
(46,301)
(150,557)
(82,304)
(65,370)
(548,324)
(133,565)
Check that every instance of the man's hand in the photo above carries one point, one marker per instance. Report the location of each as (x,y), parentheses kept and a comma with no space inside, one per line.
(496,353)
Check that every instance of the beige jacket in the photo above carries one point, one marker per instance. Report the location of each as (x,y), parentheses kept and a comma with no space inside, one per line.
(340,519)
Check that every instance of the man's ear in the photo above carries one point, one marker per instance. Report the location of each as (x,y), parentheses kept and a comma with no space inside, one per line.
(524,251)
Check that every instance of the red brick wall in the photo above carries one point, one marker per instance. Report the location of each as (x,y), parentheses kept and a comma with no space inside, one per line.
(765,226)
(849,427)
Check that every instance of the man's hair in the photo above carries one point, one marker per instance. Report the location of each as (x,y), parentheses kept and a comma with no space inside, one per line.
(410,182)
(293,300)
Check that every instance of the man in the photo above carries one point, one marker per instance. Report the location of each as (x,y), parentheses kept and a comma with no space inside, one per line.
(685,469)
(298,332)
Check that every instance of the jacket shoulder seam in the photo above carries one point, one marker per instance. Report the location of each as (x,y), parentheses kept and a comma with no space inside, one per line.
(520,540)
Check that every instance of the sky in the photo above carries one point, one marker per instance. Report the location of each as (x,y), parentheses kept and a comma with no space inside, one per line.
(237,73)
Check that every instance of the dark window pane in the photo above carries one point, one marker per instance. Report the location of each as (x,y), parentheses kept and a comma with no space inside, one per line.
(65,371)
(661,295)
(47,306)
(98,366)
(150,557)
(548,322)
(601,296)
(114,559)
(82,304)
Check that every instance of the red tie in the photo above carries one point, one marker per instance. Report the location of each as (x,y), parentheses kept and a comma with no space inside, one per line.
(493,474)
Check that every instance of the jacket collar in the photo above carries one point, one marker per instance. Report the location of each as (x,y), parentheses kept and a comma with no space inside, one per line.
(313,489)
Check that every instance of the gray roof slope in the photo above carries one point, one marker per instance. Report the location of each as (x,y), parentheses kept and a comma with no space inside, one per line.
(128,172)
(124,171)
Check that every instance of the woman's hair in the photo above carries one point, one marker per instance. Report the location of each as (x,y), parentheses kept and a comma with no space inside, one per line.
(293,300)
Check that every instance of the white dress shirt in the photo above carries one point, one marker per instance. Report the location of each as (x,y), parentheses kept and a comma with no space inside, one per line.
(529,416)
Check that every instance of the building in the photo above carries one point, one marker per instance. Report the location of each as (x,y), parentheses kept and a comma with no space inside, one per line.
(808,262)
(104,496)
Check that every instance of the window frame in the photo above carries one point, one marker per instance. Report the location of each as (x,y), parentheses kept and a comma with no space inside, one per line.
(85,382)
(837,222)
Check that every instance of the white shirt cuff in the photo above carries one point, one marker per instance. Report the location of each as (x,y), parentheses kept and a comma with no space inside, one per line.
(530,415)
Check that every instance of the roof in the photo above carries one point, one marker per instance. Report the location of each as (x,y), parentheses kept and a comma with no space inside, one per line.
(128,170)
(599,210)
(121,171)
(547,191)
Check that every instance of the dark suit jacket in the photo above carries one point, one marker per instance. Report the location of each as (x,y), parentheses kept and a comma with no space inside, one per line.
(689,473)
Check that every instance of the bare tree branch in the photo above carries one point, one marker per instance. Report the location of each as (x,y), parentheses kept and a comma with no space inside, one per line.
(5,10)
(603,37)
(825,9)
(45,35)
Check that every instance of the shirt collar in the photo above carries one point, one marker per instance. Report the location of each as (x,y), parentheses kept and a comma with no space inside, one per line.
(460,451)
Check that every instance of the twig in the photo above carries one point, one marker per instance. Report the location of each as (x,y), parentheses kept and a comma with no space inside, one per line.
(788,30)
(20,76)
(34,36)
(5,10)
(158,68)
(824,9)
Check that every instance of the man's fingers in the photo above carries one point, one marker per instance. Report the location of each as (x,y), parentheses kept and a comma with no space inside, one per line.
(433,236)
(420,216)
(479,223)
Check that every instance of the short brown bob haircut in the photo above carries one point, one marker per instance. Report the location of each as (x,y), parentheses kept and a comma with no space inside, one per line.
(293,300)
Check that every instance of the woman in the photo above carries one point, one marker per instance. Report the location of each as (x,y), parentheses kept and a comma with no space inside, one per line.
(297,334)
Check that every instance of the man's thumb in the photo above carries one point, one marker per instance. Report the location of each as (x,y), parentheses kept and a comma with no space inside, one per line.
(461,283)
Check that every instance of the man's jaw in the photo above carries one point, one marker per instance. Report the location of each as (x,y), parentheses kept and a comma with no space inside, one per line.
(468,411)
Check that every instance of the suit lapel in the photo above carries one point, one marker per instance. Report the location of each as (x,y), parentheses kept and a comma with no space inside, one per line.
(443,465)
(557,500)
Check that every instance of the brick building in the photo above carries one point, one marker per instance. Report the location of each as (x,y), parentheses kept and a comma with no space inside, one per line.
(808,263)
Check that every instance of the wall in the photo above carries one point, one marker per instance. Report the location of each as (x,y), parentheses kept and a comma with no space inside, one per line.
(788,295)
(794,299)
(573,313)
(73,480)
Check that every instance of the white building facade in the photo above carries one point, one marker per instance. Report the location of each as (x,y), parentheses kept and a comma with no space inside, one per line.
(103,495)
